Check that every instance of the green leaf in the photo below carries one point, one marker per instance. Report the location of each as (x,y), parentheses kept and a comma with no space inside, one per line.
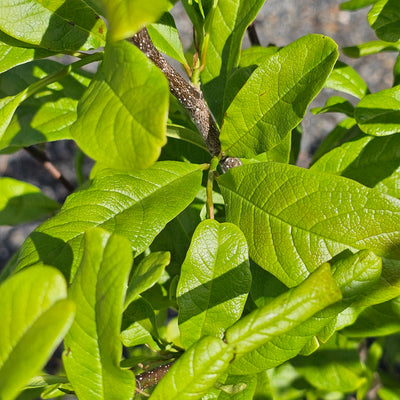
(126,17)
(285,312)
(355,276)
(146,274)
(335,104)
(345,79)
(21,202)
(301,70)
(35,316)
(379,320)
(372,161)
(124,203)
(13,52)
(237,387)
(366,49)
(165,37)
(195,372)
(384,18)
(123,115)
(256,55)
(214,282)
(296,219)
(332,370)
(92,346)
(355,4)
(378,114)
(61,25)
(46,116)
(229,23)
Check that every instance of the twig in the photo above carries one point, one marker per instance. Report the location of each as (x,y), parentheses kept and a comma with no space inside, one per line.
(151,378)
(253,36)
(41,157)
(191,98)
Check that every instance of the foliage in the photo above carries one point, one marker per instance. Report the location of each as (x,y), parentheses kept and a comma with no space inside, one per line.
(198,261)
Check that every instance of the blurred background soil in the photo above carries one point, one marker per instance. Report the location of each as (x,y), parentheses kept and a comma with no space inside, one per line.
(279,22)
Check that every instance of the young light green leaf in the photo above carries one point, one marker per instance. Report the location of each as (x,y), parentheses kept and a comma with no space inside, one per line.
(214,282)
(13,52)
(379,320)
(355,4)
(378,114)
(126,17)
(332,370)
(229,23)
(165,37)
(345,79)
(124,203)
(366,49)
(62,25)
(355,276)
(92,346)
(296,219)
(195,372)
(384,18)
(146,274)
(35,316)
(284,84)
(335,104)
(21,202)
(123,115)
(8,105)
(285,312)
(372,161)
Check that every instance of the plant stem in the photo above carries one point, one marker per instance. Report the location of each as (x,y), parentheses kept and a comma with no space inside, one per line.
(151,378)
(41,157)
(191,98)
(253,36)
(209,188)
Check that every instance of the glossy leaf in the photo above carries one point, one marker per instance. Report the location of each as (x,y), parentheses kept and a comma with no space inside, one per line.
(124,203)
(146,274)
(285,312)
(372,161)
(35,316)
(229,23)
(92,346)
(366,49)
(283,85)
(122,117)
(21,202)
(345,79)
(62,25)
(396,72)
(237,387)
(384,18)
(215,279)
(378,114)
(13,52)
(335,104)
(295,219)
(165,37)
(126,17)
(355,4)
(195,372)
(355,276)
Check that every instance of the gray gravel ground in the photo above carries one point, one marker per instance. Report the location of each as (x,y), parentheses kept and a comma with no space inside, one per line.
(279,22)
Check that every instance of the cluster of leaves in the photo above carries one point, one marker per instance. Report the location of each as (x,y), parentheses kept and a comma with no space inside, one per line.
(210,282)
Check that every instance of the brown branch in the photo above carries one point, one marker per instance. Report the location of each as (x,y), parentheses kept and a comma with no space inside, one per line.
(151,378)
(253,36)
(191,98)
(42,158)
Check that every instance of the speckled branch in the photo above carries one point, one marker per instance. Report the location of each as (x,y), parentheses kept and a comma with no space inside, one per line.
(191,98)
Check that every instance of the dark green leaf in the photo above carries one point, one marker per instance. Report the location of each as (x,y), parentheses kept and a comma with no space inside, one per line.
(35,316)
(21,202)
(195,372)
(122,117)
(63,25)
(124,203)
(92,346)
(378,114)
(214,282)
(295,219)
(384,18)
(301,70)
(335,104)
